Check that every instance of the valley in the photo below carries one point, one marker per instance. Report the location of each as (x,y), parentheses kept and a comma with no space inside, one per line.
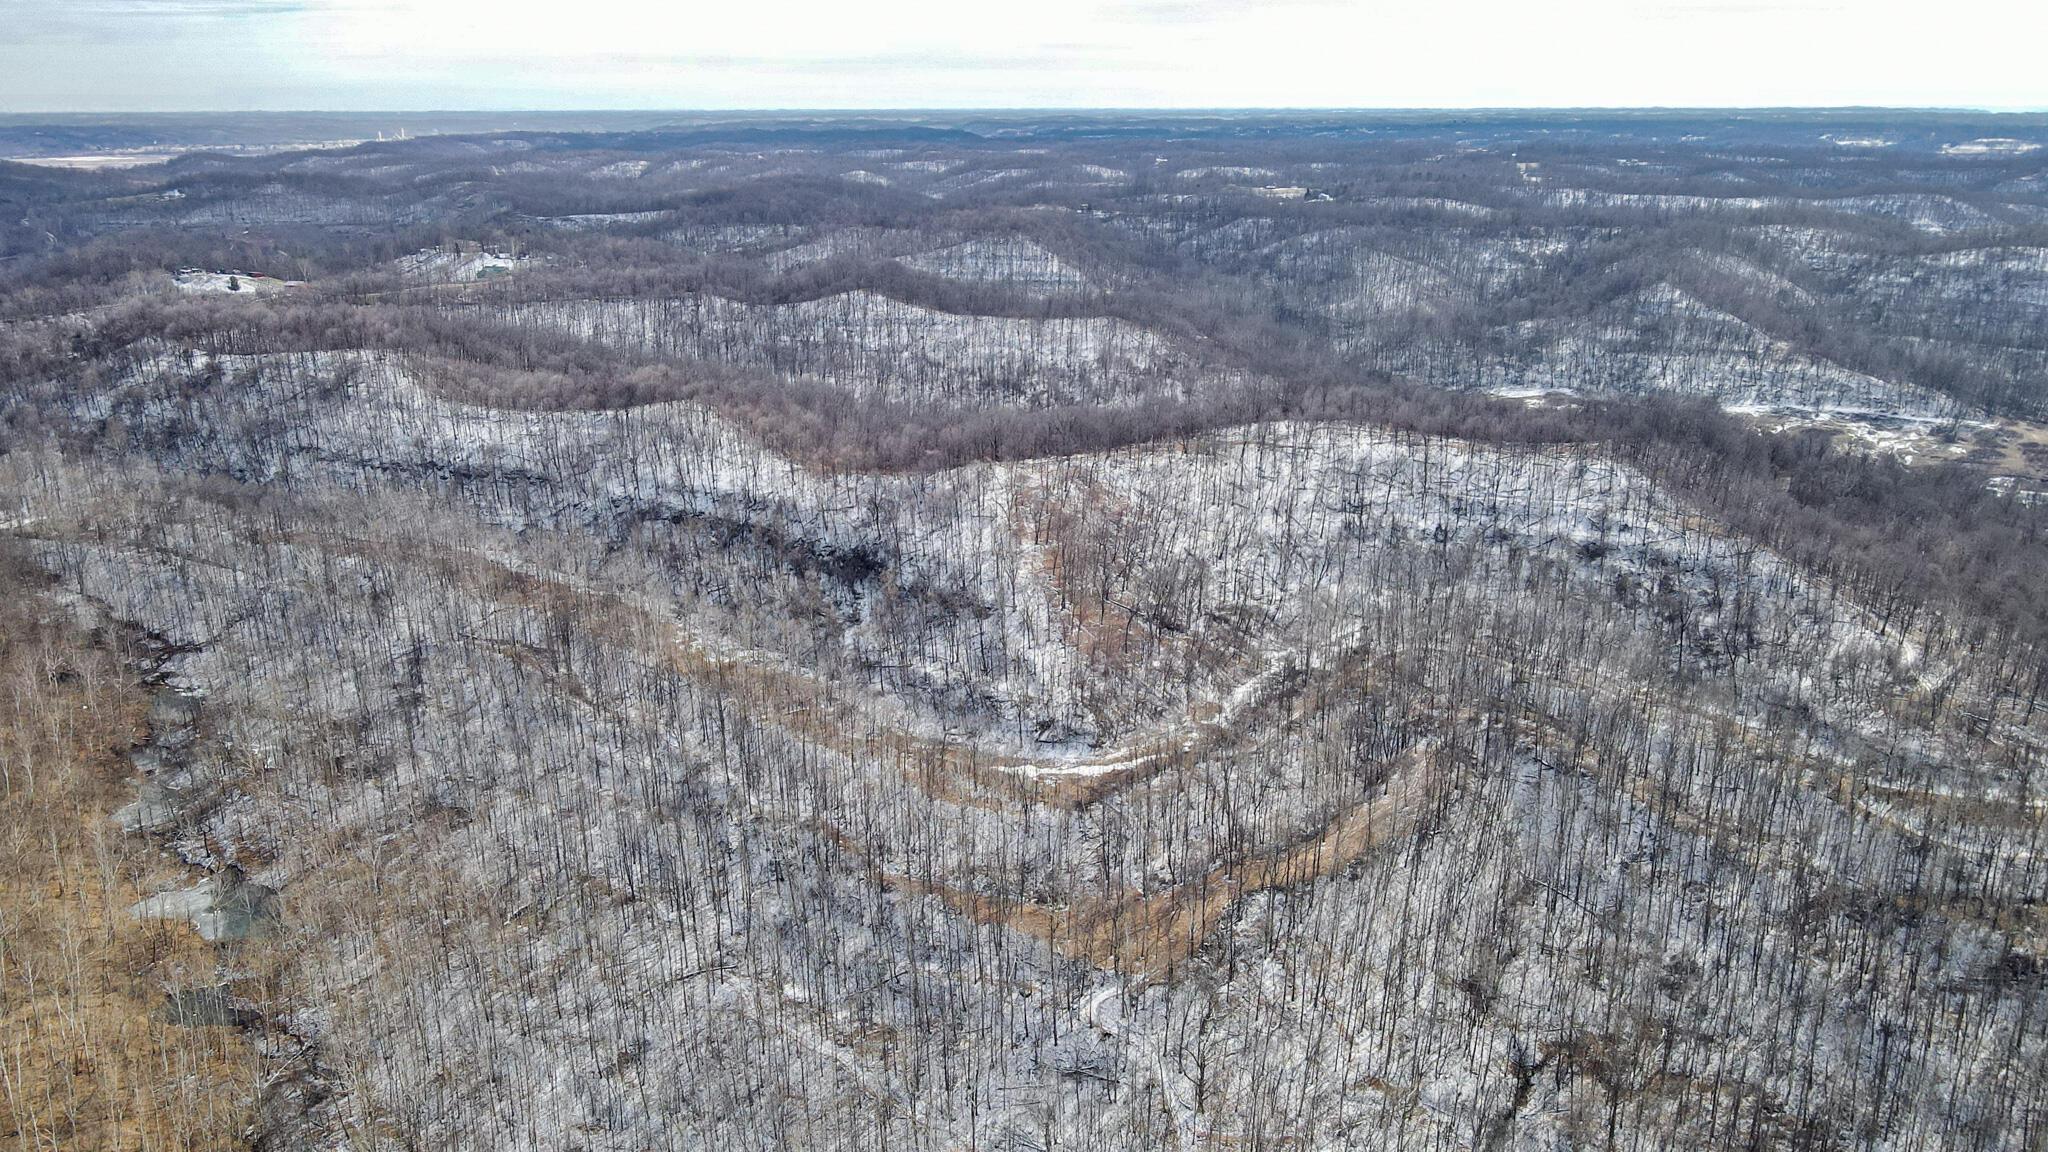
(995,632)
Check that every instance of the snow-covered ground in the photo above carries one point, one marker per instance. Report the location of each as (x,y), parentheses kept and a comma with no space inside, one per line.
(197,280)
(601,778)
(699,740)
(445,266)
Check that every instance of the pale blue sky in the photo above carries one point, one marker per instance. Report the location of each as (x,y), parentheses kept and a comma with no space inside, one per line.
(169,55)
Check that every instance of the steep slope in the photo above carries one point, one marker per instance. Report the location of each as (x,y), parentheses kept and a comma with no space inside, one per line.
(1293,780)
(1200,632)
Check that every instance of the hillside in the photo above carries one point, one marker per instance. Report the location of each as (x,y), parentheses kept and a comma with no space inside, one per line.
(1202,635)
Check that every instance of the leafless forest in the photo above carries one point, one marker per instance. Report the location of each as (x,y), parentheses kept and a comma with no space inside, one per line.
(1496,632)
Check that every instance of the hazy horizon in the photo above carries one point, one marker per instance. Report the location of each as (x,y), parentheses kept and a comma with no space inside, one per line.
(1022,110)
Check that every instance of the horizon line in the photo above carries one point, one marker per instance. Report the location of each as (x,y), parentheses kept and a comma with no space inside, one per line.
(1105,109)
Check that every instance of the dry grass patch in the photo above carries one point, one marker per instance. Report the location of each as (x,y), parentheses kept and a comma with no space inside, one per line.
(90,1056)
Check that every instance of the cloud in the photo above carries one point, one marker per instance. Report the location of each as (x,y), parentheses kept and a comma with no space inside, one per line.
(146,22)
(872,63)
(1196,12)
(940,53)
(132,10)
(1747,9)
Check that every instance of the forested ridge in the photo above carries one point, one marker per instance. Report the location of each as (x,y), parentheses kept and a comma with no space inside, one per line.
(1343,632)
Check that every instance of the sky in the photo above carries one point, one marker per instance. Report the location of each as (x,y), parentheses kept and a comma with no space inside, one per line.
(238,55)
